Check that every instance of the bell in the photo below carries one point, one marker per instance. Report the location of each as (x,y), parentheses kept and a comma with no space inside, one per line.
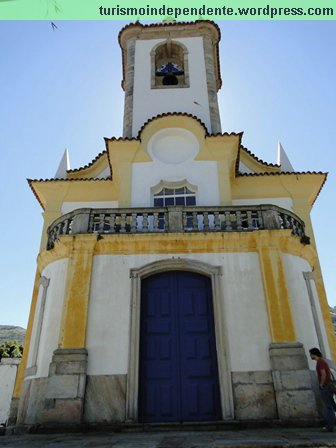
(170,80)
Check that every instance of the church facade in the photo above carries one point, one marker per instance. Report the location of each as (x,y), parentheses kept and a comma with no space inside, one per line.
(178,279)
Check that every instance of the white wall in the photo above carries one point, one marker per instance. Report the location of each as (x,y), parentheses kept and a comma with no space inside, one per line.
(148,102)
(202,174)
(244,318)
(245,312)
(56,272)
(8,371)
(173,151)
(321,324)
(300,304)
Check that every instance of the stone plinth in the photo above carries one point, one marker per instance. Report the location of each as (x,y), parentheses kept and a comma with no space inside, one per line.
(292,381)
(253,395)
(64,399)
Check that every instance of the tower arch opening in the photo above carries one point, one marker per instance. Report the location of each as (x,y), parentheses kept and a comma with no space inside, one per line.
(169,61)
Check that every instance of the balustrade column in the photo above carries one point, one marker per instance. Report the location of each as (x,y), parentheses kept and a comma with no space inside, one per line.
(175,220)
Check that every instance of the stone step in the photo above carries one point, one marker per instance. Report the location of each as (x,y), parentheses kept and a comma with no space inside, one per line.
(224,425)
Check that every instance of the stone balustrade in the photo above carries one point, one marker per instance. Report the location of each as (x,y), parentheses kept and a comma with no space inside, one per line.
(176,219)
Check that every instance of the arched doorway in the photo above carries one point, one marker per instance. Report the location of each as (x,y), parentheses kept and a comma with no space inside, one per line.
(178,372)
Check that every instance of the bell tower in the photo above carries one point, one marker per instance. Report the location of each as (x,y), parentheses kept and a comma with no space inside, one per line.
(170,67)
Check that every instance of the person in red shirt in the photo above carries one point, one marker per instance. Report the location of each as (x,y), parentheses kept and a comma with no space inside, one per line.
(324,379)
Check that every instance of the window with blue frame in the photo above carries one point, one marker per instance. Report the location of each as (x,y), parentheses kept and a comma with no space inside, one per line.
(169,197)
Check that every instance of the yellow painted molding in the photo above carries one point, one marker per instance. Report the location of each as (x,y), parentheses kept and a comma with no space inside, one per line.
(23,364)
(61,250)
(165,243)
(125,184)
(303,210)
(224,183)
(269,244)
(280,317)
(54,193)
(122,155)
(301,188)
(221,147)
(77,290)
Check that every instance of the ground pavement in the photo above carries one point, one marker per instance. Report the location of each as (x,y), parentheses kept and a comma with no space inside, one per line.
(267,437)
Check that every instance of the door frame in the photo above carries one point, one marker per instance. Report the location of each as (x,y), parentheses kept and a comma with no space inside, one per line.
(224,371)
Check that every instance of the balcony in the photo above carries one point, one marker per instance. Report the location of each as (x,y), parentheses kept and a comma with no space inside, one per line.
(176,219)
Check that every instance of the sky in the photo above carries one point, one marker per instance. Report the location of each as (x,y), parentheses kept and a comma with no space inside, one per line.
(61,89)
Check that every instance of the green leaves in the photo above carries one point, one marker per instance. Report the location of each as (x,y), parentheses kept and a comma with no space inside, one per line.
(11,349)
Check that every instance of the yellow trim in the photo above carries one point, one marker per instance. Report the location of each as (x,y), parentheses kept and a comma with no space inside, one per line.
(171,243)
(268,244)
(276,293)
(301,188)
(224,150)
(122,156)
(59,191)
(224,183)
(23,364)
(75,310)
(302,209)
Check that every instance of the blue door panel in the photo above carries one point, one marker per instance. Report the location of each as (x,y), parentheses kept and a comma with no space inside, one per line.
(178,373)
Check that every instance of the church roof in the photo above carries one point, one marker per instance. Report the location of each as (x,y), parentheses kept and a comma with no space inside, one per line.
(296,174)
(172,114)
(95,160)
(31,183)
(250,153)
(100,169)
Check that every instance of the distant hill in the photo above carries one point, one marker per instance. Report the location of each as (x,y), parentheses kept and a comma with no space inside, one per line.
(11,333)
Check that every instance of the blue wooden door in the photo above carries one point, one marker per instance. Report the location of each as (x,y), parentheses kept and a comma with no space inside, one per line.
(178,373)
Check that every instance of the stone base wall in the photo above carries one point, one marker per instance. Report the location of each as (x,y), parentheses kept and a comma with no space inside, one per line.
(105,399)
(31,404)
(253,395)
(69,396)
(292,381)
(58,398)
(64,399)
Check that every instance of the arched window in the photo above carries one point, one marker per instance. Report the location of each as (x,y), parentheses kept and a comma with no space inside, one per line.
(174,196)
(170,194)
(169,65)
